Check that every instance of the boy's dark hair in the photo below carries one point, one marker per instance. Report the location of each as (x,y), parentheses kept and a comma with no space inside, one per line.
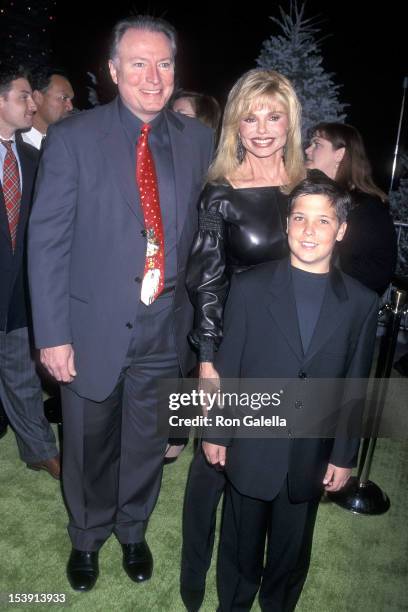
(317,183)
(10,73)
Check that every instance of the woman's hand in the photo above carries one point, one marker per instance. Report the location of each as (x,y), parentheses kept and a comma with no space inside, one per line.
(207,371)
(208,382)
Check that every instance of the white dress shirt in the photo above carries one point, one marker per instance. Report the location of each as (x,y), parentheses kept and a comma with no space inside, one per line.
(33,137)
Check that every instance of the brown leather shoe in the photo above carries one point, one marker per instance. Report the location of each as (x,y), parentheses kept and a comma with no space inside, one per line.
(52,466)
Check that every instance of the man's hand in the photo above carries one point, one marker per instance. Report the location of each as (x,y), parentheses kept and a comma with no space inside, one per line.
(59,362)
(214,453)
(335,478)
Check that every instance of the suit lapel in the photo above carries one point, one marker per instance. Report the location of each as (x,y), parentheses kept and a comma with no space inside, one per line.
(4,227)
(115,149)
(181,153)
(283,310)
(332,313)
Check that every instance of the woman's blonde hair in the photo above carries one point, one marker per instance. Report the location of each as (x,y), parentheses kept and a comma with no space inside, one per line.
(255,89)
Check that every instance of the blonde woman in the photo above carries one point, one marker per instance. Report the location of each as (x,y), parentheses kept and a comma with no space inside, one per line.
(243,212)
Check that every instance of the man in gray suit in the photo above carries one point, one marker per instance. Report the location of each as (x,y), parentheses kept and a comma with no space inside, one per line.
(20,389)
(94,248)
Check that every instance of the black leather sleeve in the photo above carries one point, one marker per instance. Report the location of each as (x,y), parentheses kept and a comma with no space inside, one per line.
(207,280)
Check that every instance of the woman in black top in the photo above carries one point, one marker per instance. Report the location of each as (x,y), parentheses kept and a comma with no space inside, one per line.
(242,223)
(239,227)
(368,251)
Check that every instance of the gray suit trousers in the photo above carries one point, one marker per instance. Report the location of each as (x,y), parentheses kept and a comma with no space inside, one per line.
(21,394)
(113,452)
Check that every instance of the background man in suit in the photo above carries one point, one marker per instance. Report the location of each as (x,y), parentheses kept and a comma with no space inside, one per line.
(53,95)
(301,319)
(20,388)
(111,229)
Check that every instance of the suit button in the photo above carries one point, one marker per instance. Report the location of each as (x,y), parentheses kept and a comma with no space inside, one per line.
(137,279)
(298,404)
(144,233)
(129,325)
(302,374)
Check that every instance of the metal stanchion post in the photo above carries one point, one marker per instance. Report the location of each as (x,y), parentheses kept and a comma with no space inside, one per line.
(361,495)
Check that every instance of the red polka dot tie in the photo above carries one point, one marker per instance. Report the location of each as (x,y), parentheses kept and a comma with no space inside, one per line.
(11,190)
(153,276)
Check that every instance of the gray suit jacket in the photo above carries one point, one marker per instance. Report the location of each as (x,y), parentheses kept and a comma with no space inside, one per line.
(86,247)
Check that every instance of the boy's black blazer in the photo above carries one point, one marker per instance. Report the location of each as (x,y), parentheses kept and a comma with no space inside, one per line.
(262,340)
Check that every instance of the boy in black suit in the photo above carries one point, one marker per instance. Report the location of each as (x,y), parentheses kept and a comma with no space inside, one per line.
(295,318)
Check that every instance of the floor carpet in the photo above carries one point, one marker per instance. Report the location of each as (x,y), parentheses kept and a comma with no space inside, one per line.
(358,563)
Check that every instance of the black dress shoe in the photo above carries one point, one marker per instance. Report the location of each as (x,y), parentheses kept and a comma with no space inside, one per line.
(82,569)
(174,451)
(137,561)
(175,447)
(192,598)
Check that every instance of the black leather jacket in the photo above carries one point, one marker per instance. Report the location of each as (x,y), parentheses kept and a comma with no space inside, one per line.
(238,229)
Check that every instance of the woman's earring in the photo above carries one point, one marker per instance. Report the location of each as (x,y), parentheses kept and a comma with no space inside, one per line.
(240,150)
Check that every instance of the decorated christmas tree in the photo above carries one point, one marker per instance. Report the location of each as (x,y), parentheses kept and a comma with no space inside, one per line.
(296,53)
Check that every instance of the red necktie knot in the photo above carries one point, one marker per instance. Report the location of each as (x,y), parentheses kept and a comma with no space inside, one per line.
(146,127)
(7,144)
